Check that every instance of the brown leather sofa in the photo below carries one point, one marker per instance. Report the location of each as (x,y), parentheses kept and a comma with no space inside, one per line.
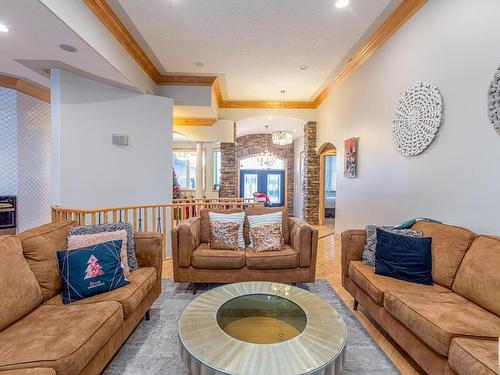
(39,335)
(194,262)
(449,327)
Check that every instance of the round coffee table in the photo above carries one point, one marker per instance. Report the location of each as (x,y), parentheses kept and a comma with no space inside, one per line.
(261,328)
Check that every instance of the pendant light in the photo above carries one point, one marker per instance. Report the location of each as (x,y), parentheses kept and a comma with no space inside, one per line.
(282,137)
(266,159)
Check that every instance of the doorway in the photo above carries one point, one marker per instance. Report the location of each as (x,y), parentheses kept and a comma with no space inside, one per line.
(327,184)
(268,181)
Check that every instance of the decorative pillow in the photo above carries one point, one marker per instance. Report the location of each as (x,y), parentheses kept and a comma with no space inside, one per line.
(237,217)
(410,222)
(78,241)
(92,229)
(403,257)
(259,220)
(267,237)
(224,236)
(91,270)
(371,241)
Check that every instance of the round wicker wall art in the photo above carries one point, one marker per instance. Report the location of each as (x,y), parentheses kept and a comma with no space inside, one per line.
(417,118)
(494,101)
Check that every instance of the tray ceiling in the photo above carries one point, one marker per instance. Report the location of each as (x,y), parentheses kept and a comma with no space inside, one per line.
(256,47)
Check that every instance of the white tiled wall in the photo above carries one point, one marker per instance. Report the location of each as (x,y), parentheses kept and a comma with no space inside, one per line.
(8,142)
(25,156)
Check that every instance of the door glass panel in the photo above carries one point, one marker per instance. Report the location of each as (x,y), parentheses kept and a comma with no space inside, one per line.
(274,188)
(250,185)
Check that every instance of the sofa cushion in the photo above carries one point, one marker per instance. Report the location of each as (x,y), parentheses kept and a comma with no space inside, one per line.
(478,278)
(258,210)
(40,245)
(129,296)
(449,244)
(437,318)
(30,371)
(205,220)
(271,260)
(474,356)
(64,337)
(20,292)
(375,285)
(205,258)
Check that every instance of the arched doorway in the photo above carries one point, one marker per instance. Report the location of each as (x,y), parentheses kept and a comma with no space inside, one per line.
(255,179)
(327,183)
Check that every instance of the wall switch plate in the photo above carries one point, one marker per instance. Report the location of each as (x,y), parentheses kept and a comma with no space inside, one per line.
(120,139)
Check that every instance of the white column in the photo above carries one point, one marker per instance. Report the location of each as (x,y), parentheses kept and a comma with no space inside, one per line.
(199,169)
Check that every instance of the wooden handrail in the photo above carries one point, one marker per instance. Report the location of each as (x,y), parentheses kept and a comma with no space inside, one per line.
(148,217)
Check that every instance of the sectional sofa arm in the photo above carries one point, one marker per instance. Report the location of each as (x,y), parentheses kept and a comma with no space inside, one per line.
(353,243)
(185,239)
(304,239)
(149,250)
(29,371)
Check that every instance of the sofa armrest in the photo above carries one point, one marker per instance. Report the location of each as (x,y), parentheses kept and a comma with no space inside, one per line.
(352,245)
(149,250)
(185,239)
(304,239)
(29,371)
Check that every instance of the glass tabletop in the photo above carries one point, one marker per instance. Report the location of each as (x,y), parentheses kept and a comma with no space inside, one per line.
(261,319)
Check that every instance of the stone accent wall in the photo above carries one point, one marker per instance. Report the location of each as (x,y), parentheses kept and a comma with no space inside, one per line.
(228,172)
(311,175)
(253,144)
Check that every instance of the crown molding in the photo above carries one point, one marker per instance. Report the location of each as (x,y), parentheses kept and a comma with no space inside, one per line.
(392,24)
(193,121)
(395,20)
(25,87)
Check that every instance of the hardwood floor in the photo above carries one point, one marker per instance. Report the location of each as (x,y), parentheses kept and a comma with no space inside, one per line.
(328,268)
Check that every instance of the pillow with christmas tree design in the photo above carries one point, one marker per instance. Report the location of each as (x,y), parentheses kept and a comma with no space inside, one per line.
(91,270)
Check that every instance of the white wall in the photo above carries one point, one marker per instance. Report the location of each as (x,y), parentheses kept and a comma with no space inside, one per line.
(453,44)
(298,198)
(90,171)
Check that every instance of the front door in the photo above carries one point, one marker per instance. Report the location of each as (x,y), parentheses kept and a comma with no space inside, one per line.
(270,182)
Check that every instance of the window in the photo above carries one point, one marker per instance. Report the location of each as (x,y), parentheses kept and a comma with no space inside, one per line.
(330,173)
(184,163)
(217,169)
(252,163)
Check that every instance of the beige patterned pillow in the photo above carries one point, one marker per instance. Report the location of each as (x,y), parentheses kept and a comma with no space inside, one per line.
(77,241)
(267,237)
(224,235)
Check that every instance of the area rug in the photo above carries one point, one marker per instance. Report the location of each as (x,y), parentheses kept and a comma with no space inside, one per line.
(153,348)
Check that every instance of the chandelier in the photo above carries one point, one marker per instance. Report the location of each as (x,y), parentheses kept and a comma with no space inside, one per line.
(266,159)
(282,137)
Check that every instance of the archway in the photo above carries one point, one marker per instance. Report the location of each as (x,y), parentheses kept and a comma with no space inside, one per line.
(271,180)
(327,183)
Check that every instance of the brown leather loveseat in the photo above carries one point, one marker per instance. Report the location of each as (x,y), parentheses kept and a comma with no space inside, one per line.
(194,262)
(39,335)
(450,327)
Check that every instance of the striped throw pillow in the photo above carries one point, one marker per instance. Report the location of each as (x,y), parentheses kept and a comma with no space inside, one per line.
(237,217)
(259,220)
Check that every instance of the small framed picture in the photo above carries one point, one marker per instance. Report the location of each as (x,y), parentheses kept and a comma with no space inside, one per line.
(350,157)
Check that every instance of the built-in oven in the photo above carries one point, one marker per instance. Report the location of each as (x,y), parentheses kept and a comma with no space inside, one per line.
(7,212)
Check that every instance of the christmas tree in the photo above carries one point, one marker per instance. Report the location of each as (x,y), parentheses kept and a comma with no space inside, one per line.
(94,269)
(176,189)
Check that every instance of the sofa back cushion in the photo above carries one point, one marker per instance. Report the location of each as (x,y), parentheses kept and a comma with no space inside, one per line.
(258,210)
(205,220)
(40,246)
(478,278)
(20,292)
(449,245)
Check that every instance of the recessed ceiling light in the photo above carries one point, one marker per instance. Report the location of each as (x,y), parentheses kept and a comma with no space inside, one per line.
(341,3)
(3,28)
(199,64)
(304,67)
(67,48)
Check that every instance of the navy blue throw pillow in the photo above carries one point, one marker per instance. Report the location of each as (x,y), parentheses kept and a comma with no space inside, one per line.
(404,258)
(91,270)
